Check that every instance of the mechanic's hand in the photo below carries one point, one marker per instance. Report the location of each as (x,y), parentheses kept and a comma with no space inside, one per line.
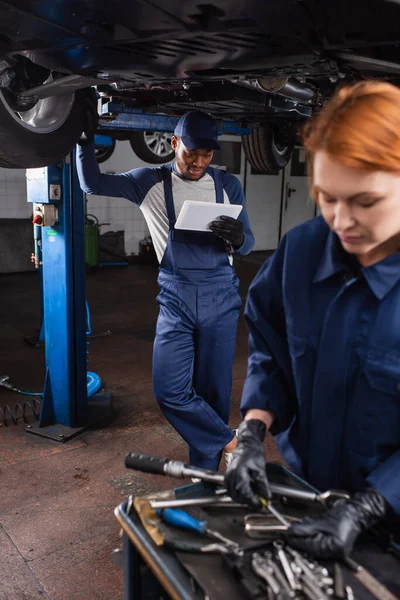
(246,477)
(229,229)
(91,119)
(333,535)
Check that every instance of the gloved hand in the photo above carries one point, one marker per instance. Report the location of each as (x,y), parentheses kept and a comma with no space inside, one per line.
(229,229)
(91,119)
(333,535)
(246,476)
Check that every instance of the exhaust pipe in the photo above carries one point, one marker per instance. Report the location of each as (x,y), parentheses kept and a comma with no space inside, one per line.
(289,87)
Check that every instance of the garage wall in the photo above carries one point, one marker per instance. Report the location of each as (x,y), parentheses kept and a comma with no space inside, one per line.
(120,214)
(263,197)
(13,204)
(16,233)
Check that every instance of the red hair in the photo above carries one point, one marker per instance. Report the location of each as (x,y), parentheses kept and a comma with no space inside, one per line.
(359,127)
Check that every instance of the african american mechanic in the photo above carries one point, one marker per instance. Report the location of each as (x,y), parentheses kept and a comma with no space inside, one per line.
(324,320)
(199,300)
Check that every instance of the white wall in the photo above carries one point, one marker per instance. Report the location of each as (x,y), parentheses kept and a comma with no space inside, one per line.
(13,204)
(118,212)
(263,199)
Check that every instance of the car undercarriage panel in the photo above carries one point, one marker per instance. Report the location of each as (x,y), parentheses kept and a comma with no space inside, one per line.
(225,101)
(141,40)
(227,57)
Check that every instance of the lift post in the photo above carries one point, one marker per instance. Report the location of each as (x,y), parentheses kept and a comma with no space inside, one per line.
(58,208)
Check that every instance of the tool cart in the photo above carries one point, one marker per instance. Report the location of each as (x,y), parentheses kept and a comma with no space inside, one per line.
(195,543)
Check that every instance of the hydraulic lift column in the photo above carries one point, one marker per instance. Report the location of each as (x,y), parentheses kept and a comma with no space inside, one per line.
(58,207)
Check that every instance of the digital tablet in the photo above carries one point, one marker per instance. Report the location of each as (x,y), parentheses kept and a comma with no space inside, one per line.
(197,216)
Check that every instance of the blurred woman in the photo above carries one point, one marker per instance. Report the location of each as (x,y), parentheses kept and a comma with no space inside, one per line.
(324,321)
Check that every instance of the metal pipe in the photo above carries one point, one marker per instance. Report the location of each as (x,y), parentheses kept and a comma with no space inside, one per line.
(289,87)
(208,501)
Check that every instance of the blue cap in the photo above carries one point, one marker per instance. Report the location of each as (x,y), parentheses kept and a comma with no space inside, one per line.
(198,130)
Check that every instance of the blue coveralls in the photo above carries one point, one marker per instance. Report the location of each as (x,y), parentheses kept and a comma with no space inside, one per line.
(325,358)
(196,336)
(199,304)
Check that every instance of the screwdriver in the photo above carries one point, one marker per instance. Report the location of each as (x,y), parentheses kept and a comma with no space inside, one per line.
(179,518)
(266,504)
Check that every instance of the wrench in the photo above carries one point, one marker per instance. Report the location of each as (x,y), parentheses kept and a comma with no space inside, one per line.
(326,498)
(290,576)
(174,468)
(265,572)
(307,576)
(206,501)
(279,575)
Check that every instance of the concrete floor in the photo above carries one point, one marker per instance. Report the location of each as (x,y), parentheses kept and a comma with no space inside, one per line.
(57,527)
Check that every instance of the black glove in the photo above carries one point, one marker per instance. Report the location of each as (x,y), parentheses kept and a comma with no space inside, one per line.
(333,535)
(91,119)
(229,229)
(246,476)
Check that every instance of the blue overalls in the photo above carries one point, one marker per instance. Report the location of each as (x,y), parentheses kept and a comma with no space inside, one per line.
(196,336)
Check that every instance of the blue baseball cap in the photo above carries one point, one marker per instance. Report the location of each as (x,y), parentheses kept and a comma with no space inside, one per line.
(197,130)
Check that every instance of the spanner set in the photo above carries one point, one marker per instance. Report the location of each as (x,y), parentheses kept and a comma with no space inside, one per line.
(288,574)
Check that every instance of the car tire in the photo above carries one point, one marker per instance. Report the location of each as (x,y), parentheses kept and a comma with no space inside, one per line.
(103,153)
(26,145)
(267,149)
(152,147)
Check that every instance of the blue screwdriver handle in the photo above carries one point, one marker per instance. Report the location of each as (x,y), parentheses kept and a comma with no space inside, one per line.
(179,518)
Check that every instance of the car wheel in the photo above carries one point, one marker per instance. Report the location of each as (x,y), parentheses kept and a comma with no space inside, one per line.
(268,149)
(42,135)
(153,147)
(103,153)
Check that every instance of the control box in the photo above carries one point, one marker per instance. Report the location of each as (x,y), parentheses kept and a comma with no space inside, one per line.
(45,215)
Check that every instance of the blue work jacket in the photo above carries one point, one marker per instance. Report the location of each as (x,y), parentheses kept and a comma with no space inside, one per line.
(325,358)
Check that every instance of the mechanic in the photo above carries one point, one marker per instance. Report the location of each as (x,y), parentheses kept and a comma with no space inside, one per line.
(199,300)
(324,320)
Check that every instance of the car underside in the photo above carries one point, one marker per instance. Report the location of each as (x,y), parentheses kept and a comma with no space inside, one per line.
(265,64)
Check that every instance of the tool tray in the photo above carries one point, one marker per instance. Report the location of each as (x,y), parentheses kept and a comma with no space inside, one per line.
(220,577)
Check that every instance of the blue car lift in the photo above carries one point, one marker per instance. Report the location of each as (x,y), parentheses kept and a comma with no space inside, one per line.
(58,209)
(122,118)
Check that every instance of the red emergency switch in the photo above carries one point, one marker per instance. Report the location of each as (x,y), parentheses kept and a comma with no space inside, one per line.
(37,220)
